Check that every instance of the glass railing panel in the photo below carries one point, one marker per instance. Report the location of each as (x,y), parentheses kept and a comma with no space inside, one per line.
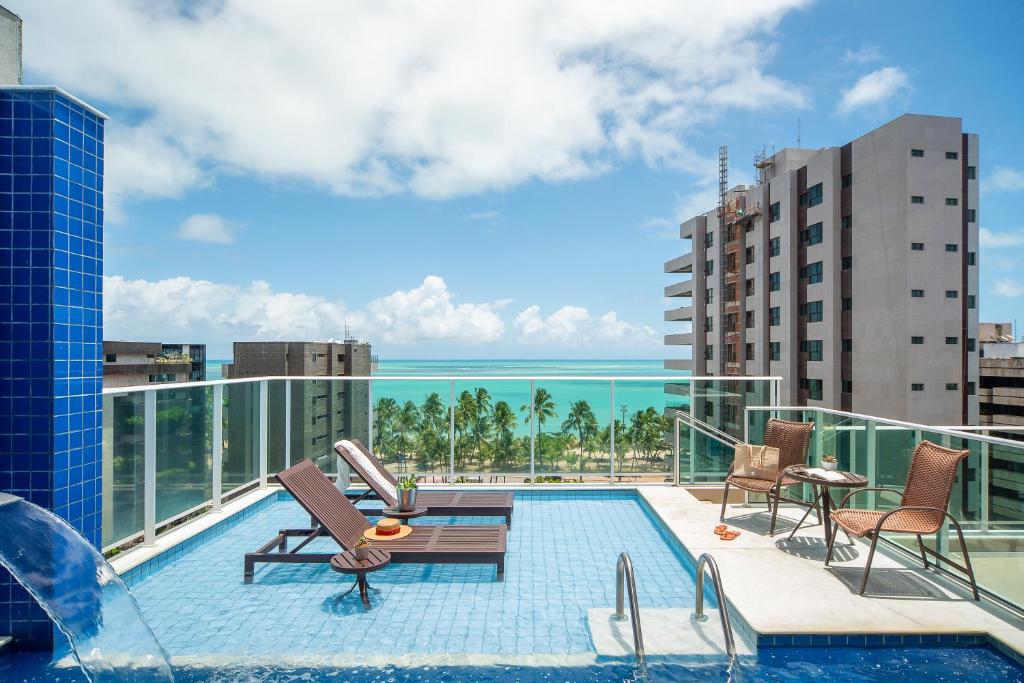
(321,412)
(410,426)
(241,434)
(277,433)
(492,429)
(184,429)
(643,450)
(123,466)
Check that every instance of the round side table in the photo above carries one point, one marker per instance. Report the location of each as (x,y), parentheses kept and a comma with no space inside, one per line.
(823,495)
(394,513)
(346,563)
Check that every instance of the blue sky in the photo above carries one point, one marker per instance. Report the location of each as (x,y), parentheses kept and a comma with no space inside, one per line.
(495,182)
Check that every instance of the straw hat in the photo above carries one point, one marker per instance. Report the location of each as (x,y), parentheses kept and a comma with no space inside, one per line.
(375,535)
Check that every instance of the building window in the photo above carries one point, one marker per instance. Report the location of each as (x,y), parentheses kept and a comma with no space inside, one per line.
(952,340)
(774,350)
(813,311)
(847,303)
(774,282)
(749,319)
(847,386)
(970,345)
(774,211)
(709,267)
(709,324)
(952,294)
(970,388)
(917,152)
(730,353)
(917,246)
(750,287)
(813,387)
(848,180)
(916,199)
(917,293)
(972,173)
(709,352)
(970,301)
(847,222)
(847,262)
(917,340)
(750,352)
(847,345)
(709,240)
(774,246)
(971,216)
(812,235)
(952,155)
(813,272)
(730,262)
(917,387)
(163,377)
(110,358)
(709,408)
(952,201)
(709,295)
(812,197)
(730,292)
(952,247)
(774,316)
(749,255)
(952,386)
(812,348)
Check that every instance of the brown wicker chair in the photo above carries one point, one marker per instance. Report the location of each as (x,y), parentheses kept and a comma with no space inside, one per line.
(792,440)
(923,509)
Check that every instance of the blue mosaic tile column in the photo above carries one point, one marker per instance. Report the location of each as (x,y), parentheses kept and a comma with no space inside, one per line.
(51,321)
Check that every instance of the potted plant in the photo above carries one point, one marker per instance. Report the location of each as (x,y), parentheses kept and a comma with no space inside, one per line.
(829,462)
(361,549)
(407,493)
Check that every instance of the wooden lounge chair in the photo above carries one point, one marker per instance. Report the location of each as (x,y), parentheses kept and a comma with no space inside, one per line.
(792,440)
(438,503)
(923,509)
(336,517)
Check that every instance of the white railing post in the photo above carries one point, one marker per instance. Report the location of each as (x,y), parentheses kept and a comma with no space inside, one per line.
(533,431)
(369,413)
(263,434)
(149,469)
(218,444)
(693,433)
(986,455)
(611,434)
(675,450)
(451,430)
(288,423)
(871,437)
(819,439)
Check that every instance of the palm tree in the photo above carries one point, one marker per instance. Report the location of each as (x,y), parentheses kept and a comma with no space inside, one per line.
(433,430)
(481,426)
(543,409)
(406,423)
(465,421)
(384,415)
(582,421)
(504,421)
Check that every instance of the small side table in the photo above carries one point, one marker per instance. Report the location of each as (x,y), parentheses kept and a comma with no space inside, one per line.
(394,513)
(346,563)
(823,495)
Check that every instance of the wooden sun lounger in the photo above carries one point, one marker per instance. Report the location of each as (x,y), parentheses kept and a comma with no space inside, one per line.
(337,518)
(439,503)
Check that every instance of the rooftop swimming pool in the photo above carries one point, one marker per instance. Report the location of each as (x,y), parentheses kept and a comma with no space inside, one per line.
(457,622)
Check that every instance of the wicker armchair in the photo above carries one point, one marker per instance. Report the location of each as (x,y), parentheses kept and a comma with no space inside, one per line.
(923,509)
(792,440)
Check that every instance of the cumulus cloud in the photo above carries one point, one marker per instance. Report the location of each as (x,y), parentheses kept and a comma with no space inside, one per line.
(198,309)
(1009,288)
(439,99)
(1009,238)
(1004,179)
(207,227)
(875,88)
(575,327)
(863,55)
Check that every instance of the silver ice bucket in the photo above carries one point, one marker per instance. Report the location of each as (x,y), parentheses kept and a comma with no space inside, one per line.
(406,500)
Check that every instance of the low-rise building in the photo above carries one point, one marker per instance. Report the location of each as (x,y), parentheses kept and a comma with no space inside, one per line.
(131,363)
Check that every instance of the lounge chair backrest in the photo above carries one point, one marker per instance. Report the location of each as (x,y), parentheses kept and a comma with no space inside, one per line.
(324,502)
(933,470)
(791,438)
(368,477)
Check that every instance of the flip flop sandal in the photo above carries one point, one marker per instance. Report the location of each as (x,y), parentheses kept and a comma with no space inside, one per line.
(730,535)
(721,529)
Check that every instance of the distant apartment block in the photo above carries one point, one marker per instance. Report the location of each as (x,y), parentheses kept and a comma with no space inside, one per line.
(128,363)
(849,271)
(1001,396)
(322,412)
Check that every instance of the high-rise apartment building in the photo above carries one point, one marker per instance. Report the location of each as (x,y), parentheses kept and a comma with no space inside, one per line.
(849,271)
(1001,394)
(128,363)
(322,411)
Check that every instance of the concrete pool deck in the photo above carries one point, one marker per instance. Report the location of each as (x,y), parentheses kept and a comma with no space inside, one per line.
(781,587)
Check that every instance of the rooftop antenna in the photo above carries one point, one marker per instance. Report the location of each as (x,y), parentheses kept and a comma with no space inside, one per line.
(723,185)
(798,132)
(348,332)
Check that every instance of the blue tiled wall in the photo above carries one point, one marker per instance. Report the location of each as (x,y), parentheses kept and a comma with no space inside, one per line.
(51,320)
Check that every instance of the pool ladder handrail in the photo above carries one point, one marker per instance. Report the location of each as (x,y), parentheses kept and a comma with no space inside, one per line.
(624,577)
(706,560)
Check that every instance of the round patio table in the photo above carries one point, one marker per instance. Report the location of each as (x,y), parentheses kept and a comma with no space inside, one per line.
(823,495)
(394,513)
(346,563)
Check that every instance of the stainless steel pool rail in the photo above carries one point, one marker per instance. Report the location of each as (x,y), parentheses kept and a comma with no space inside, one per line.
(624,577)
(706,561)
(710,431)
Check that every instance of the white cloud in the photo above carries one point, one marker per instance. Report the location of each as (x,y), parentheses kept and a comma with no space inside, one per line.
(487,216)
(1004,179)
(439,99)
(875,88)
(575,327)
(1009,238)
(863,55)
(207,227)
(1009,288)
(220,313)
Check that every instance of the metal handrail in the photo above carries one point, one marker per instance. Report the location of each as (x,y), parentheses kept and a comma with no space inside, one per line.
(624,575)
(707,561)
(704,428)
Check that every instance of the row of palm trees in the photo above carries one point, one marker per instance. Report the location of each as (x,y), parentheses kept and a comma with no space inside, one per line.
(485,434)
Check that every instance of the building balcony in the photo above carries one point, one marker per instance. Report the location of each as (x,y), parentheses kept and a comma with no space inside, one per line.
(679,314)
(680,339)
(680,264)
(684,288)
